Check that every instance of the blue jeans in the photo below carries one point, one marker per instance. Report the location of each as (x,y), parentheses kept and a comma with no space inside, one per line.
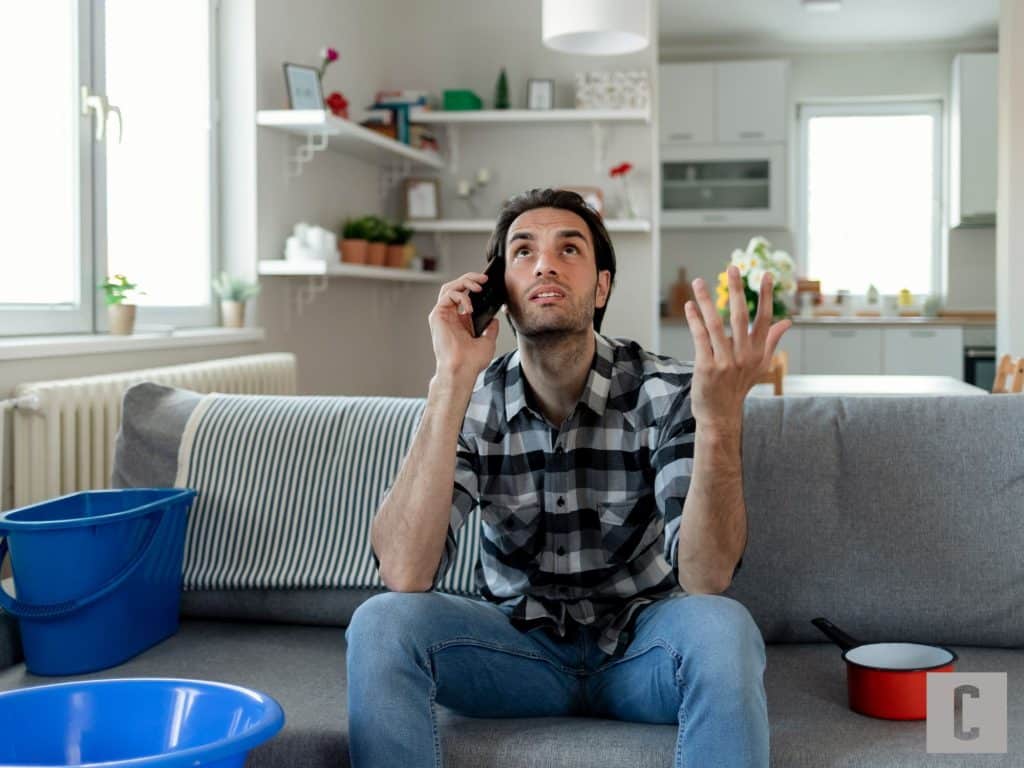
(695,660)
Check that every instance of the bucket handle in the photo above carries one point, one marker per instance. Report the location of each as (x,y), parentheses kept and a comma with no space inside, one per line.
(25,610)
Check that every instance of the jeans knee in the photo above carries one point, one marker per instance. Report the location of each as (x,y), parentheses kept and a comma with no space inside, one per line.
(389,622)
(728,636)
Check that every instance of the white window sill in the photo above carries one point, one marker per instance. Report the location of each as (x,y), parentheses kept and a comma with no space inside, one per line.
(22,347)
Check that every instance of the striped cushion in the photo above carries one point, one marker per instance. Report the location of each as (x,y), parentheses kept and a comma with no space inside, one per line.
(288,487)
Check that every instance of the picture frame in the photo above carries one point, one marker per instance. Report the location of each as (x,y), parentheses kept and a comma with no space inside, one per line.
(303,86)
(540,94)
(421,199)
(593,196)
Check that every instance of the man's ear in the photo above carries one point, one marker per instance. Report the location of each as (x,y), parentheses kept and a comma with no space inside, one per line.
(604,287)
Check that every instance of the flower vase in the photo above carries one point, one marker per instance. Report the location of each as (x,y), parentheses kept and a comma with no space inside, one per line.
(627,201)
(121,318)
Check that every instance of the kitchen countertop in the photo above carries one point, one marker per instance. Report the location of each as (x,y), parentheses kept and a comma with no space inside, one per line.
(868,385)
(982,321)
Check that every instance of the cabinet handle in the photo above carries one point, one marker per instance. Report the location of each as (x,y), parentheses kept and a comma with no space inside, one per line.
(842,334)
(751,134)
(922,334)
(682,136)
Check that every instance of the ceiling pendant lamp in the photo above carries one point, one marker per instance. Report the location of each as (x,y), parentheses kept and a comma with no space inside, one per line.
(596,27)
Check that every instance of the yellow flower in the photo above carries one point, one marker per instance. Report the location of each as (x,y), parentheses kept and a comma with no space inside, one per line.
(723,301)
(723,279)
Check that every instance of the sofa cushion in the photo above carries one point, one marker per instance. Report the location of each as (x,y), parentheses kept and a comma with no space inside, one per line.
(897,518)
(288,487)
(304,669)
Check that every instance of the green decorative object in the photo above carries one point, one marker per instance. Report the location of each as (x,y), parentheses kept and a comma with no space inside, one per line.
(118,290)
(457,101)
(501,91)
(230,288)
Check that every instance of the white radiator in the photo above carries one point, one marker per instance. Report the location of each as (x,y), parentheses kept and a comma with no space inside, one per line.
(64,431)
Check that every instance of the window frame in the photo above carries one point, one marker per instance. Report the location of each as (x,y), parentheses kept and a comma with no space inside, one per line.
(932,106)
(88,314)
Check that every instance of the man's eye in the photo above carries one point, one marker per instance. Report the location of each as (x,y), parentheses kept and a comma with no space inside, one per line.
(522,250)
(572,248)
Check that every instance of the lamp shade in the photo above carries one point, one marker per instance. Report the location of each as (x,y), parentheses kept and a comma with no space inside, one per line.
(596,27)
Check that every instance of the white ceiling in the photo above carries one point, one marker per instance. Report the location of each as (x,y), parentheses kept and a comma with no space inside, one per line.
(764,23)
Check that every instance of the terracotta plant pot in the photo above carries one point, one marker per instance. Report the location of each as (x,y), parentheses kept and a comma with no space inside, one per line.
(232,314)
(354,251)
(408,254)
(395,255)
(378,254)
(121,318)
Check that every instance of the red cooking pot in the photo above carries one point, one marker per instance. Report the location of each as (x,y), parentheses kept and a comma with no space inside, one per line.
(888,680)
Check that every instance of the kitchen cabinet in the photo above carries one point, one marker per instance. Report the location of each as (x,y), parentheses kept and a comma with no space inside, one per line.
(687,103)
(842,350)
(973,117)
(751,101)
(677,342)
(924,351)
(729,102)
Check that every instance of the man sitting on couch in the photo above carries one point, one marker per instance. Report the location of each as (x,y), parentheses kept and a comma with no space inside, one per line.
(580,451)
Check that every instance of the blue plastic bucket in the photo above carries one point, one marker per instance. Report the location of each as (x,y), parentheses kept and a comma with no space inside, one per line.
(98,575)
(135,722)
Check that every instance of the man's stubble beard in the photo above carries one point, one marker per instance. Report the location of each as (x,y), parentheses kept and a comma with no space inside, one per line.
(543,331)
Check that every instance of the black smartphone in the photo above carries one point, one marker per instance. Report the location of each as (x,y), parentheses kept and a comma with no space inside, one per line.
(488,301)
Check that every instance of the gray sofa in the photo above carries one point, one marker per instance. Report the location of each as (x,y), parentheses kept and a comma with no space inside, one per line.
(896,518)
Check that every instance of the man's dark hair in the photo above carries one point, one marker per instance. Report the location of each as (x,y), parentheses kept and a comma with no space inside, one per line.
(604,252)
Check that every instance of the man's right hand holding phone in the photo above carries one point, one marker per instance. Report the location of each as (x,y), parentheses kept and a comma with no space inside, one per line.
(460,355)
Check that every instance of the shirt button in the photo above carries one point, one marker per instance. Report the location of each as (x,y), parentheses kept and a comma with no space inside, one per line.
(561,501)
(561,550)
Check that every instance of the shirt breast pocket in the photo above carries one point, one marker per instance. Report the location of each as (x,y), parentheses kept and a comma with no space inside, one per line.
(513,528)
(627,527)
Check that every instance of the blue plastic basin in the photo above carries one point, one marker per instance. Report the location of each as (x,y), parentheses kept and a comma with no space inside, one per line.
(134,722)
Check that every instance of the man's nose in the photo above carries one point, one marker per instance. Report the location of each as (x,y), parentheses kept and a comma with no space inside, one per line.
(547,263)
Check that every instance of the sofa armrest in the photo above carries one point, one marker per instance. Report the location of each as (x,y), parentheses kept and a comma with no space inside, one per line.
(10,639)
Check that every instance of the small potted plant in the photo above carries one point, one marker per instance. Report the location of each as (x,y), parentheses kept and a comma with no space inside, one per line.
(379,234)
(120,312)
(353,243)
(399,248)
(233,293)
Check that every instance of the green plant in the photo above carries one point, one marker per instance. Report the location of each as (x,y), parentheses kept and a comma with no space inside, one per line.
(402,235)
(234,288)
(354,229)
(378,230)
(118,290)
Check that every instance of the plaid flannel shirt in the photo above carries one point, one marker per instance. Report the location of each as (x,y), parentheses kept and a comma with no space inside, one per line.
(580,525)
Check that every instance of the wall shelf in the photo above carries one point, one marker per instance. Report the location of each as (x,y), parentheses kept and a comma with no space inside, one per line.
(598,120)
(285,267)
(457,226)
(499,116)
(323,130)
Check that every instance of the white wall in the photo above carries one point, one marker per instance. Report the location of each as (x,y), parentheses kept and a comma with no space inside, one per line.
(814,76)
(370,337)
(1010,200)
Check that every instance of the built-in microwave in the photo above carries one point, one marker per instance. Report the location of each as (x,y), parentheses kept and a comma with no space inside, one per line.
(723,185)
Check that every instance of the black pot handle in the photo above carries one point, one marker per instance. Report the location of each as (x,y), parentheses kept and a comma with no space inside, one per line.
(835,634)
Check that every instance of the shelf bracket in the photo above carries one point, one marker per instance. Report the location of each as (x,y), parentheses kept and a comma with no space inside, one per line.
(315,285)
(388,179)
(599,138)
(315,142)
(452,132)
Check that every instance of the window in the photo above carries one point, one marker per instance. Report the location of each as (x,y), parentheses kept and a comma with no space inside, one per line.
(871,196)
(139,199)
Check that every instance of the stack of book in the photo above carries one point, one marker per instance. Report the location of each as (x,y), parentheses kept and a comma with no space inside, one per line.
(396,106)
